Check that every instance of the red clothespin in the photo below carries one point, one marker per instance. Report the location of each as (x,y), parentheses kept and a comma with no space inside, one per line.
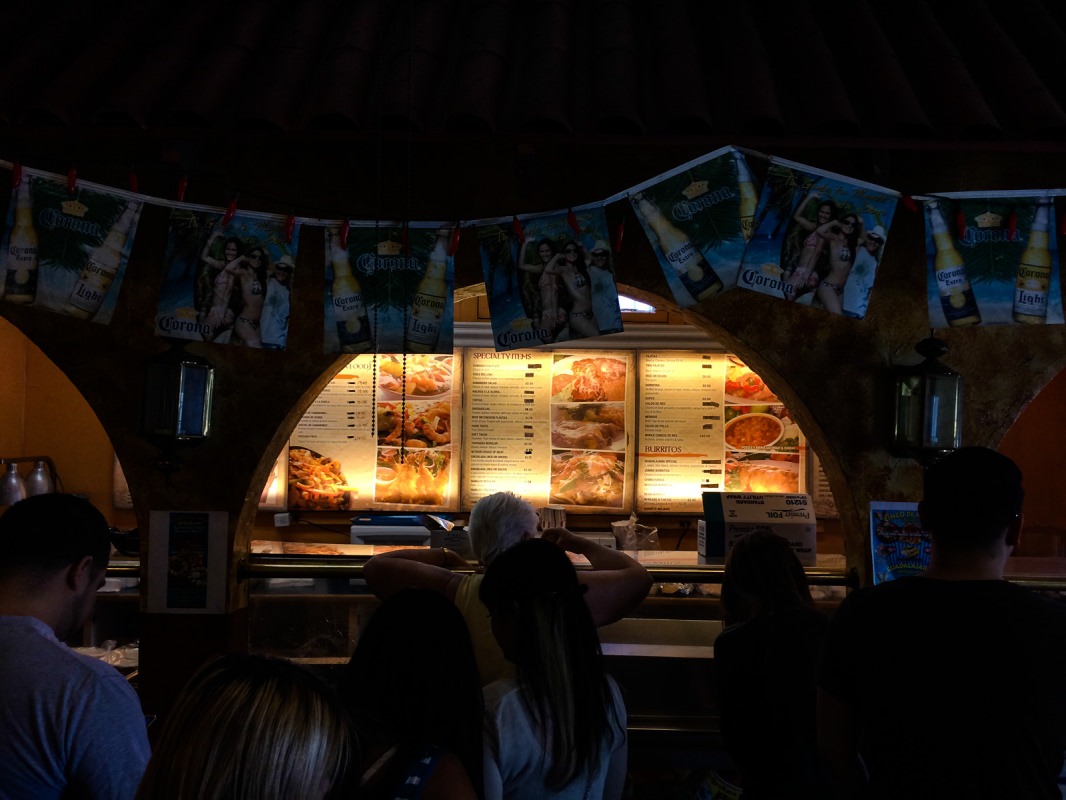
(519,231)
(909,204)
(16,175)
(343,233)
(618,234)
(135,185)
(571,220)
(72,179)
(290,226)
(405,241)
(453,242)
(960,223)
(1012,224)
(231,211)
(183,184)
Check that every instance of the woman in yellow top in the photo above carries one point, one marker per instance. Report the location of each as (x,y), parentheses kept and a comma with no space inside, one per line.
(616,583)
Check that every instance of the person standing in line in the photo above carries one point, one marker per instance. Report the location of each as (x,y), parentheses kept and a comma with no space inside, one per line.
(616,583)
(557,729)
(248,727)
(70,725)
(949,684)
(274,323)
(766,663)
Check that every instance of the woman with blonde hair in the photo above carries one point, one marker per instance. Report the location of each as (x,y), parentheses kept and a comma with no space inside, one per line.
(248,727)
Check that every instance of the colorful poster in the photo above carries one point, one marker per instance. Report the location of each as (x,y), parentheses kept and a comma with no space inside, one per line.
(551,282)
(227,283)
(383,435)
(697,218)
(898,545)
(66,252)
(390,289)
(992,260)
(818,239)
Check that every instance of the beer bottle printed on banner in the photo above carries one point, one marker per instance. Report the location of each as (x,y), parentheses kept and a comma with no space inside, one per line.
(688,262)
(349,310)
(956,294)
(1034,272)
(20,260)
(100,268)
(749,200)
(427,306)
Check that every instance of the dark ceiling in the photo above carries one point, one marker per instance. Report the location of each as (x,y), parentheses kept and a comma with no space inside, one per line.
(144,80)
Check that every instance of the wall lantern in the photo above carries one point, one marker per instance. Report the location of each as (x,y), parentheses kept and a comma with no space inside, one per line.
(928,422)
(176,405)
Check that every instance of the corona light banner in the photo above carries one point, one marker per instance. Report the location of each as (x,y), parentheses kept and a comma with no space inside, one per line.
(228,278)
(66,251)
(698,218)
(389,289)
(818,238)
(549,278)
(992,259)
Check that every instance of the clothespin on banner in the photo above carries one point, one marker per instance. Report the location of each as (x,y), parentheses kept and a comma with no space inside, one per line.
(290,226)
(345,227)
(960,223)
(72,179)
(183,184)
(571,220)
(909,203)
(231,211)
(618,234)
(519,231)
(135,185)
(1012,224)
(405,241)
(16,175)
(453,243)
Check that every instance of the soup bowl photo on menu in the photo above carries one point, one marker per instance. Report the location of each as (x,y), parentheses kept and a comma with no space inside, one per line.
(753,431)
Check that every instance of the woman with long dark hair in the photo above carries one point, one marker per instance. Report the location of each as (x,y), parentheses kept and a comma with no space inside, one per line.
(558,729)
(766,668)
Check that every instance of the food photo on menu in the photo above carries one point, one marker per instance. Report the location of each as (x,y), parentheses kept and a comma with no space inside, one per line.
(581,378)
(594,426)
(587,478)
(770,473)
(414,376)
(316,482)
(412,476)
(412,424)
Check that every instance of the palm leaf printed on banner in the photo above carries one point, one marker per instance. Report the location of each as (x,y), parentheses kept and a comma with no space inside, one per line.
(989,221)
(93,214)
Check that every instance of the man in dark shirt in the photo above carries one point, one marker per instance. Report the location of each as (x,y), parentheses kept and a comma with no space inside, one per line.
(952,684)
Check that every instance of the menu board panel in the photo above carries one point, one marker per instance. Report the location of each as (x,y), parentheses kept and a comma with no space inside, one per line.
(708,423)
(552,427)
(381,436)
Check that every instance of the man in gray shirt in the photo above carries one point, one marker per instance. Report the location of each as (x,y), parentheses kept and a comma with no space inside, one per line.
(71,725)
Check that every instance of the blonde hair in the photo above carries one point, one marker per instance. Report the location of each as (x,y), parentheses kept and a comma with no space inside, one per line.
(249,727)
(498,522)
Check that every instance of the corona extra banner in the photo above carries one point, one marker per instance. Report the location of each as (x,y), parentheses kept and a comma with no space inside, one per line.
(992,260)
(66,250)
(389,288)
(227,279)
(818,238)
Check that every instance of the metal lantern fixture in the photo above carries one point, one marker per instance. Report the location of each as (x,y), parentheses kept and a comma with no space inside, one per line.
(928,422)
(176,407)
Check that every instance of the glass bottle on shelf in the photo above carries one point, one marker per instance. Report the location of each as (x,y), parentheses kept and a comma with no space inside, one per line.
(12,487)
(40,480)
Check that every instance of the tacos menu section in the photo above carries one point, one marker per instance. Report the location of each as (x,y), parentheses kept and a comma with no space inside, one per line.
(589,430)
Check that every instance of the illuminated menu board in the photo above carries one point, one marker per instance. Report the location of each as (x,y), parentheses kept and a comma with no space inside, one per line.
(588,430)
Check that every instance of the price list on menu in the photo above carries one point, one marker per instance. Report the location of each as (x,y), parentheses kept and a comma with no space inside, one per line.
(506,446)
(681,430)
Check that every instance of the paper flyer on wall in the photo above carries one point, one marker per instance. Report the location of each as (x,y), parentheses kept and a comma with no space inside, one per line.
(389,288)
(187,564)
(819,238)
(898,545)
(549,278)
(65,251)
(992,260)
(698,218)
(227,281)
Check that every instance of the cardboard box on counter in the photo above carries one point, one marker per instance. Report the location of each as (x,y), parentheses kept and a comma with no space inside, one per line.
(730,515)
